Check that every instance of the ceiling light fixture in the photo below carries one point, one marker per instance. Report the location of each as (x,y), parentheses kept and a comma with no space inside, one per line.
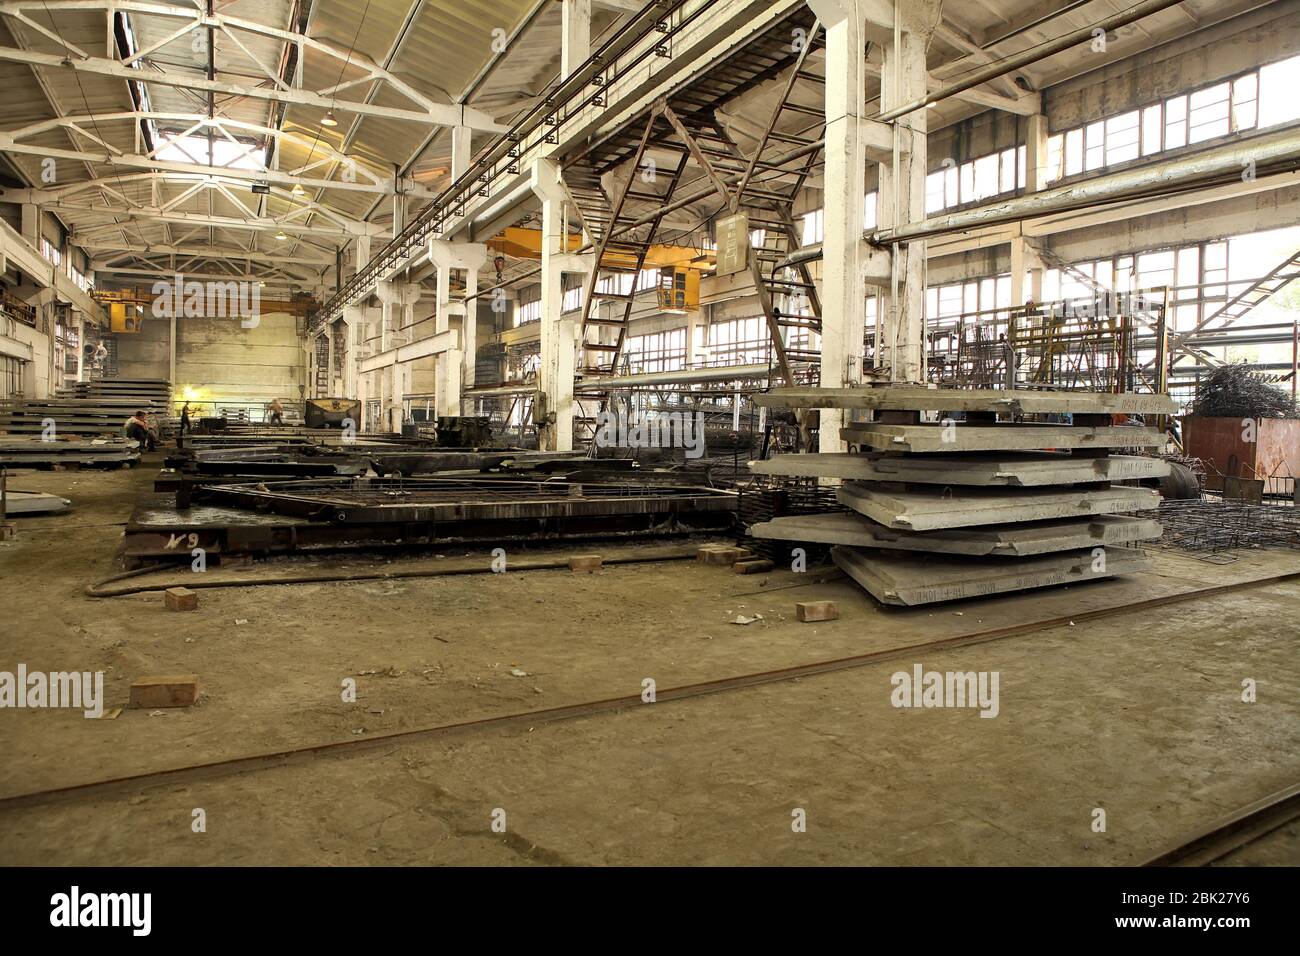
(329,119)
(281,236)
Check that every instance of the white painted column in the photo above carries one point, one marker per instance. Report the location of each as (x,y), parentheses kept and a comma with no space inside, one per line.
(81,343)
(455,365)
(575,46)
(469,326)
(555,376)
(391,300)
(1027,268)
(1036,153)
(461,150)
(842,294)
(353,323)
(903,78)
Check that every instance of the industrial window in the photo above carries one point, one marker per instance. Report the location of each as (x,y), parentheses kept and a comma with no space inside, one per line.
(1208,113)
(1254,100)
(738,342)
(83,281)
(814,226)
(572,300)
(50,251)
(981,178)
(11,377)
(1122,138)
(528,312)
(814,223)
(657,352)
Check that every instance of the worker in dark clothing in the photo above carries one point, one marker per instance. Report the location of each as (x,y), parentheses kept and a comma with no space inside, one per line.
(185,425)
(137,427)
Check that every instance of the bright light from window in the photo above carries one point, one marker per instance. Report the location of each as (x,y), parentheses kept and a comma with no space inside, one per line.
(193,148)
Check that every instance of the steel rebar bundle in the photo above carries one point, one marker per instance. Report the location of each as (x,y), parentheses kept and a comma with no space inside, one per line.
(1233,391)
(1218,530)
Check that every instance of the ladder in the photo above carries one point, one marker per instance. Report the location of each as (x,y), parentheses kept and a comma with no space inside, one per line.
(623,237)
(767,192)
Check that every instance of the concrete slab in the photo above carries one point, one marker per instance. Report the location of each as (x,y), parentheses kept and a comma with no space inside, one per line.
(964,437)
(34,503)
(934,509)
(1006,540)
(911,580)
(1019,401)
(1027,470)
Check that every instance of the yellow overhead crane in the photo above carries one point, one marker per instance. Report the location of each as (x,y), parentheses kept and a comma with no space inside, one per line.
(128,308)
(681,266)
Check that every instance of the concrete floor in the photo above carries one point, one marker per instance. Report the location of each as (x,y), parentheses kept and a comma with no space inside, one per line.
(1138,714)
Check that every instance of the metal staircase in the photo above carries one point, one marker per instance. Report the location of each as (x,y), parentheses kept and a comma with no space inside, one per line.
(622,241)
(1254,295)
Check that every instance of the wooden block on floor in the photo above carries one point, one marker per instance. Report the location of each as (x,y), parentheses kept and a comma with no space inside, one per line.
(725,556)
(812,611)
(585,562)
(181,599)
(752,566)
(169,690)
(8,532)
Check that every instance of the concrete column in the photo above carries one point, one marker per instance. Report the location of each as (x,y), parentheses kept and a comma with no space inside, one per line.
(455,367)
(171,348)
(399,212)
(361,252)
(309,365)
(353,323)
(1036,153)
(842,295)
(697,325)
(81,344)
(1027,269)
(469,326)
(903,78)
(31,224)
(555,376)
(575,45)
(461,151)
(328,332)
(397,301)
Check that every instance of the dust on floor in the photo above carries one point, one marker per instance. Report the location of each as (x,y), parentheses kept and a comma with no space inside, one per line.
(1138,714)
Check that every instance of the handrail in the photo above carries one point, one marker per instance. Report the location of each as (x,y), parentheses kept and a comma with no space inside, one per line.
(552,110)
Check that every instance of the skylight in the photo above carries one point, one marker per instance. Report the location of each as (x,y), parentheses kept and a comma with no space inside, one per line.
(193,148)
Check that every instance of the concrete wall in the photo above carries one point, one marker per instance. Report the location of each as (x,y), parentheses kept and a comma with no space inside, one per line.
(33,348)
(225,362)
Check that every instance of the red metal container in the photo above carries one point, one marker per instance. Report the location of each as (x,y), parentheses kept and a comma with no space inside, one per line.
(1225,445)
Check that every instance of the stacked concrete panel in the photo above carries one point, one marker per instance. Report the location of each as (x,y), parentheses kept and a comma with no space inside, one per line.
(966,504)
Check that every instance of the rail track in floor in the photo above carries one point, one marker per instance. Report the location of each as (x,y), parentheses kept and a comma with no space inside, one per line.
(1248,820)
(1238,829)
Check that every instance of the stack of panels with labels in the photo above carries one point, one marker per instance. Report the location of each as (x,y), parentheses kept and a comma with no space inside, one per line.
(53,418)
(965,504)
(144,391)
